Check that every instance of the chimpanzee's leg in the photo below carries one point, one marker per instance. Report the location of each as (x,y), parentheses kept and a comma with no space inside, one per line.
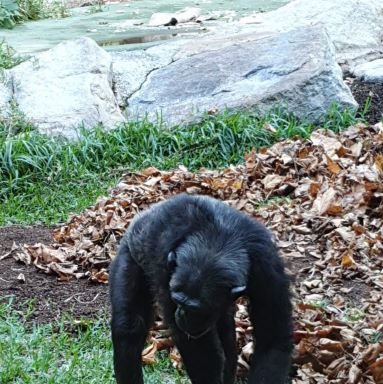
(131,317)
(226,332)
(203,357)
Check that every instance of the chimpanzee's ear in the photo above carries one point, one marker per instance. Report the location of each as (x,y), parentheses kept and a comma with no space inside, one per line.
(238,291)
(172,261)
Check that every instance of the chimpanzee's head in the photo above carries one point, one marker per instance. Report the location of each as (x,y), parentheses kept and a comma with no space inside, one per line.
(202,286)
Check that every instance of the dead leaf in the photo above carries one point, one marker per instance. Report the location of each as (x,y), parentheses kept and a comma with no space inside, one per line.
(347,260)
(325,201)
(272,181)
(333,166)
(149,353)
(377,371)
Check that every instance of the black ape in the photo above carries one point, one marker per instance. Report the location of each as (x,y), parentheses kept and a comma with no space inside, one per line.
(194,256)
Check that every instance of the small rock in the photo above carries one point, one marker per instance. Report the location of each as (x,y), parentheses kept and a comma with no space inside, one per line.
(21,278)
(169,19)
(370,72)
(160,19)
(187,14)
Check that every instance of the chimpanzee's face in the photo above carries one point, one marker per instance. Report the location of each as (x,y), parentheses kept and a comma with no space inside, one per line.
(195,317)
(201,291)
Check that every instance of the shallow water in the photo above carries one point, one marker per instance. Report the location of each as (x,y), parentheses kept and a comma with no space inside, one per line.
(126,23)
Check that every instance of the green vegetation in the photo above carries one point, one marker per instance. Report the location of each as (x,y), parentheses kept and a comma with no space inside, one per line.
(97,6)
(42,9)
(354,314)
(17,11)
(43,179)
(8,57)
(64,352)
(376,337)
(273,201)
(9,13)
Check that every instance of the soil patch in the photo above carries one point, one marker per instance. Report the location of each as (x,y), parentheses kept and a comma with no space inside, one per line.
(361,91)
(79,298)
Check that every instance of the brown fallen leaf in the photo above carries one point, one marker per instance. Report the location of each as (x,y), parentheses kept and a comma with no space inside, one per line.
(333,166)
(149,353)
(347,260)
(377,371)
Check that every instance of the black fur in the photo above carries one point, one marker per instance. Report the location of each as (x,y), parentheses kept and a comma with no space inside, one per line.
(194,256)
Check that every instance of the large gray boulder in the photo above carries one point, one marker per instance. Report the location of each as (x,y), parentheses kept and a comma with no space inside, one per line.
(295,69)
(131,68)
(5,94)
(66,87)
(354,26)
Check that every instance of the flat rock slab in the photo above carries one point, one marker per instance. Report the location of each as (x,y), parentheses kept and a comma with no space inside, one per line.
(295,69)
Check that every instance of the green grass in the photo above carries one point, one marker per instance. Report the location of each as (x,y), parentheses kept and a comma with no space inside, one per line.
(43,179)
(63,352)
(45,203)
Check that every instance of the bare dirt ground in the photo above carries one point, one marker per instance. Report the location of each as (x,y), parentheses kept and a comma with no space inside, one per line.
(79,298)
(374,91)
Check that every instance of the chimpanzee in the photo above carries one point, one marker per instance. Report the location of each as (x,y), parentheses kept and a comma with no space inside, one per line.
(194,256)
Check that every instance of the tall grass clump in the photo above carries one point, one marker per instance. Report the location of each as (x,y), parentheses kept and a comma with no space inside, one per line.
(43,9)
(8,57)
(43,178)
(9,13)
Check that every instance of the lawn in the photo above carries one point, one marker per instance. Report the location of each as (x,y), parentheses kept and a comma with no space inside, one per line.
(66,351)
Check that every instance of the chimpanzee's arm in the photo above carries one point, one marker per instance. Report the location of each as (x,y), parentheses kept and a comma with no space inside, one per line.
(270,313)
(131,316)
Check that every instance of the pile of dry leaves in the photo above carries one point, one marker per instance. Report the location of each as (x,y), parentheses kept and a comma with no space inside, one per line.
(323,200)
